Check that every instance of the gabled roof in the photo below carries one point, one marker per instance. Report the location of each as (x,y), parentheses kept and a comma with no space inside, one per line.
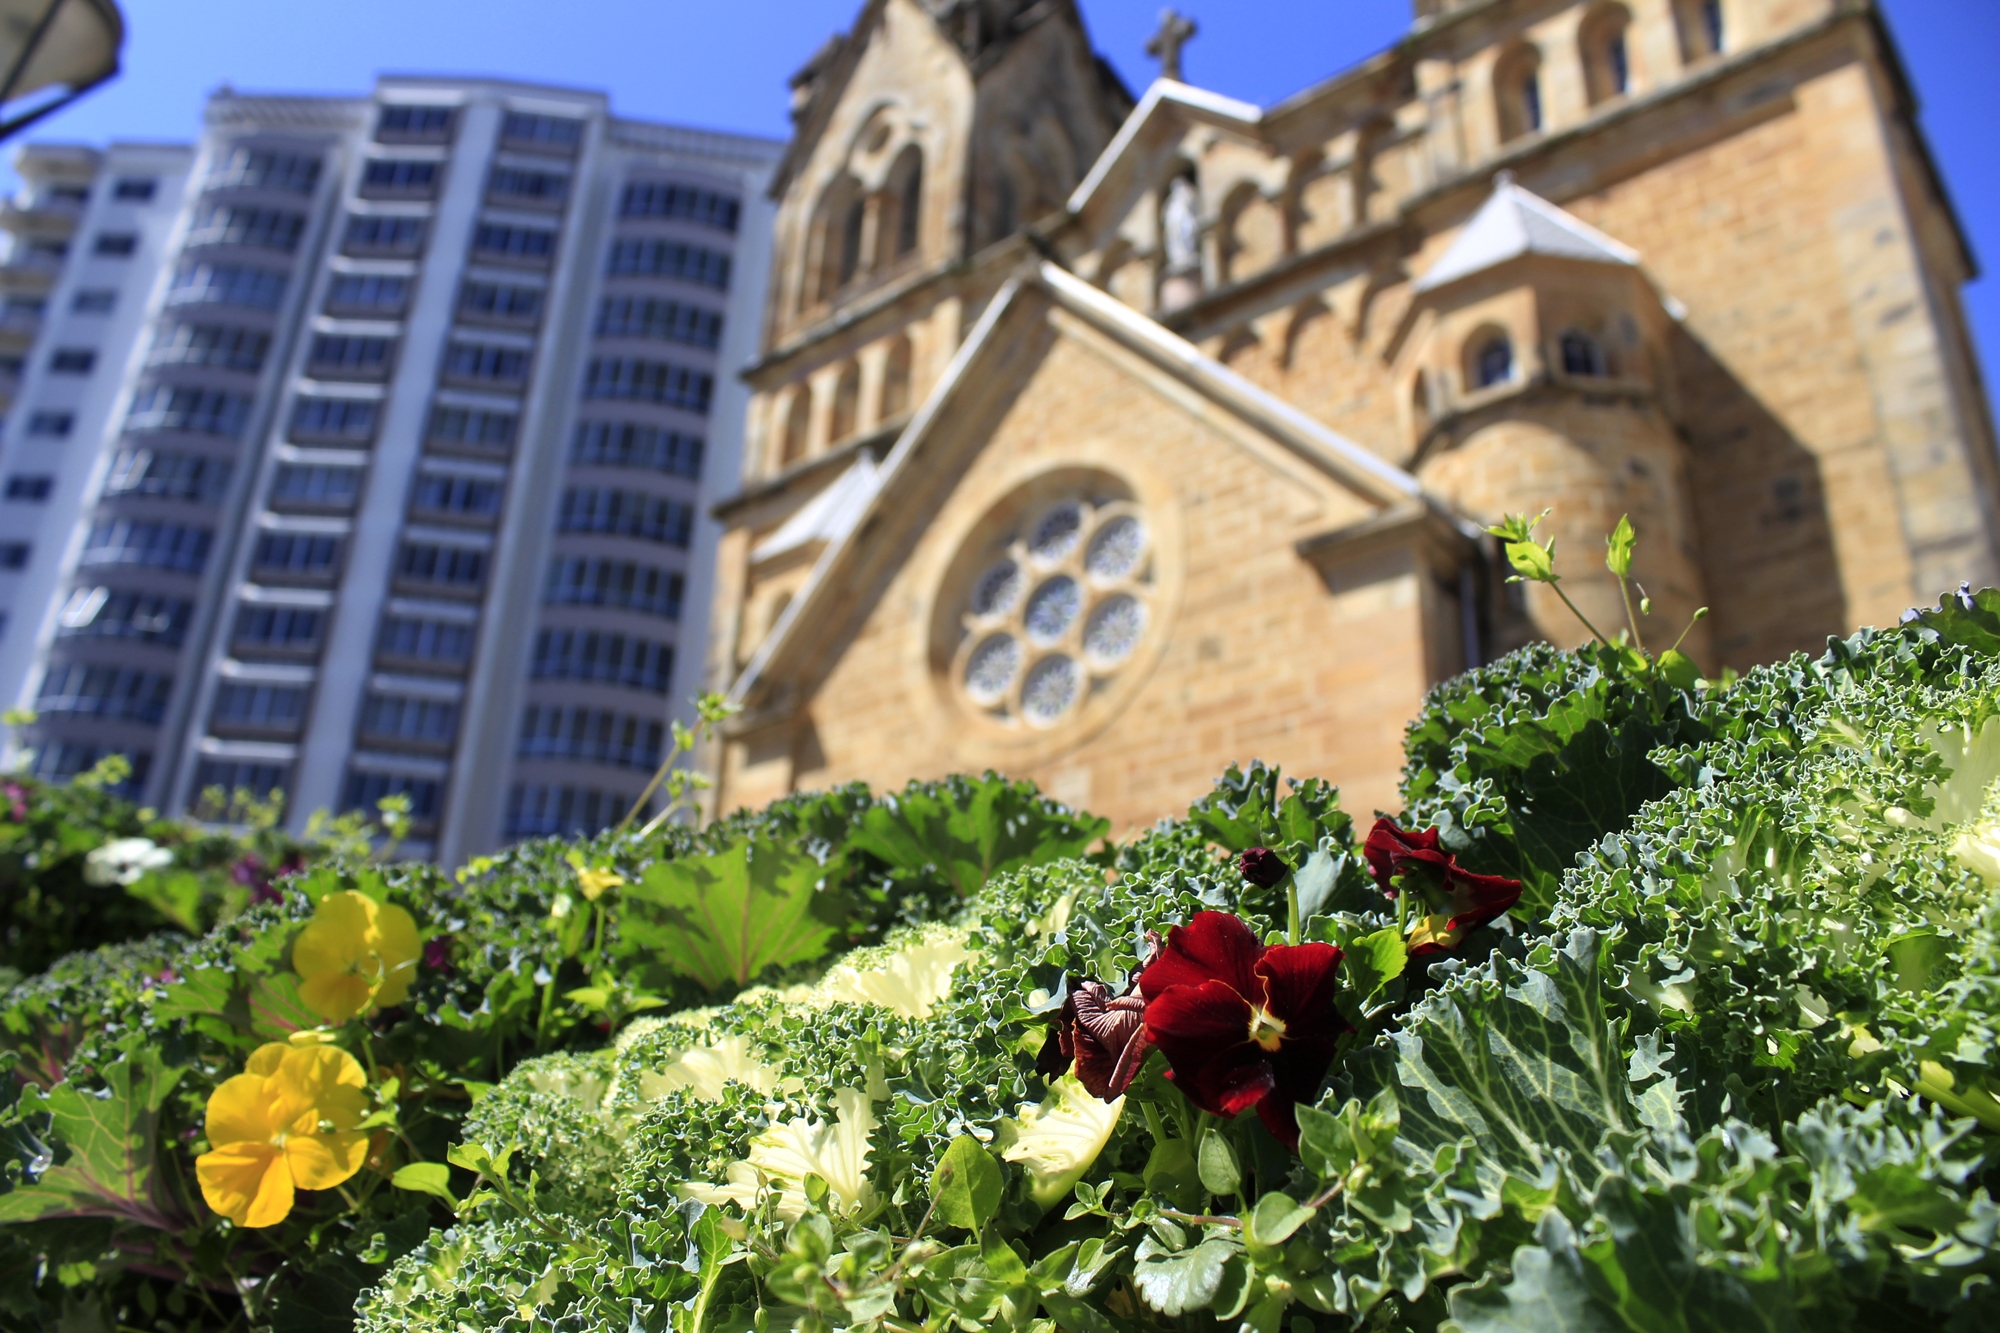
(1168,108)
(827,516)
(1516,222)
(1374,479)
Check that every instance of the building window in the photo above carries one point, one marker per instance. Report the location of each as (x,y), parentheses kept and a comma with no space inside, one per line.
(148,545)
(507,303)
(399,176)
(846,404)
(115,244)
(227,284)
(628,444)
(487,363)
(522,129)
(72,361)
(425,641)
(633,257)
(349,356)
(198,411)
(665,321)
(1517,88)
(473,427)
(227,783)
(368,293)
(104,691)
(896,380)
(54,425)
(167,475)
(399,717)
(134,189)
(349,421)
(535,810)
(59,761)
(374,235)
(414,123)
(610,659)
(591,736)
(222,345)
(454,568)
(277,628)
(1582,355)
(689,203)
(1711,25)
(260,228)
(303,555)
(517,185)
(443,495)
(101,613)
(620,584)
(528,245)
(94,301)
(621,513)
(649,382)
(268,169)
(367,791)
(32,487)
(316,486)
(13,555)
(1493,363)
(798,426)
(259,707)
(906,190)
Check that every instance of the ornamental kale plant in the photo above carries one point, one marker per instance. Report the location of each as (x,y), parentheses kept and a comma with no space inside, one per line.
(1665,1003)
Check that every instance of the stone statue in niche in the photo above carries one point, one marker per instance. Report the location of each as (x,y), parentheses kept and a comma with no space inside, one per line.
(1180,244)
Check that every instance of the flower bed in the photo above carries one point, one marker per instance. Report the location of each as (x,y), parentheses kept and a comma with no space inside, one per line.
(1663,1004)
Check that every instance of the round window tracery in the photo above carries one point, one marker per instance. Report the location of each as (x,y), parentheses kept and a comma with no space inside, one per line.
(1056,612)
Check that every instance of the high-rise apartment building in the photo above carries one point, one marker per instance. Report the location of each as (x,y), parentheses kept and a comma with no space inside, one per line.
(395,485)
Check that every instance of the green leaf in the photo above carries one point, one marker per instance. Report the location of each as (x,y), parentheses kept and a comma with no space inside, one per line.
(175,894)
(1964,619)
(1533,561)
(1375,960)
(1678,669)
(1543,1295)
(722,919)
(1525,1060)
(967,1185)
(276,1009)
(111,1140)
(1171,1170)
(1315,881)
(1175,1283)
(426,1178)
(971,829)
(1276,1217)
(1618,548)
(1920,961)
(1221,1173)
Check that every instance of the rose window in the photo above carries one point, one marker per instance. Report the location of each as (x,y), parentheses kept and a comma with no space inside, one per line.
(1056,613)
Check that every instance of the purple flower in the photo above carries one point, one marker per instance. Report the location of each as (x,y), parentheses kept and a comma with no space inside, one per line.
(437,953)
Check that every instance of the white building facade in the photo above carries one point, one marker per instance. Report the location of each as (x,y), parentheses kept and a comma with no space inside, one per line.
(399,485)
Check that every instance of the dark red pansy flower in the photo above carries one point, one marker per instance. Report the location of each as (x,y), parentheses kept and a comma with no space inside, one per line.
(1101,1034)
(1244,1024)
(437,953)
(1453,900)
(17,802)
(1262,867)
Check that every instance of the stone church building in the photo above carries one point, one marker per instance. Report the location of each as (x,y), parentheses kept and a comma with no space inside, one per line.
(1104,443)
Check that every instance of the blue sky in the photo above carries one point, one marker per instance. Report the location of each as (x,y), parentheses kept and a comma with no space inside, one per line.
(724,64)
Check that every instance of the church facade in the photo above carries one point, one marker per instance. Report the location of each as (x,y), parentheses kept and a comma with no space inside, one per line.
(1106,442)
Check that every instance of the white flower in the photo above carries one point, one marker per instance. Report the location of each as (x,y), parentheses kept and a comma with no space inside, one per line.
(124,861)
(1058,1140)
(705,1069)
(784,1155)
(909,983)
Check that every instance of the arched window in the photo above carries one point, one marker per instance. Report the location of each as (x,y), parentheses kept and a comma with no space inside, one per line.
(906,179)
(1702,30)
(1492,361)
(1582,355)
(798,427)
(852,224)
(1517,86)
(1711,25)
(846,403)
(1420,403)
(1607,62)
(896,380)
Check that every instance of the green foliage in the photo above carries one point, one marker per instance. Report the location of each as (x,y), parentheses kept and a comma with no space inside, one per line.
(969,830)
(723,919)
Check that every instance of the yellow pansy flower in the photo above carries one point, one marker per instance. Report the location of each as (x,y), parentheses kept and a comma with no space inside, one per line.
(595,882)
(285,1123)
(353,954)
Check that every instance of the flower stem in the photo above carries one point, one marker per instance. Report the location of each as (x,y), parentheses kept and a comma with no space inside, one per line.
(1594,631)
(1625,592)
(1291,909)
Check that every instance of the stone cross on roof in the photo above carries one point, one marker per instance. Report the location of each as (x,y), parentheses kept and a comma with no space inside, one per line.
(1165,45)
